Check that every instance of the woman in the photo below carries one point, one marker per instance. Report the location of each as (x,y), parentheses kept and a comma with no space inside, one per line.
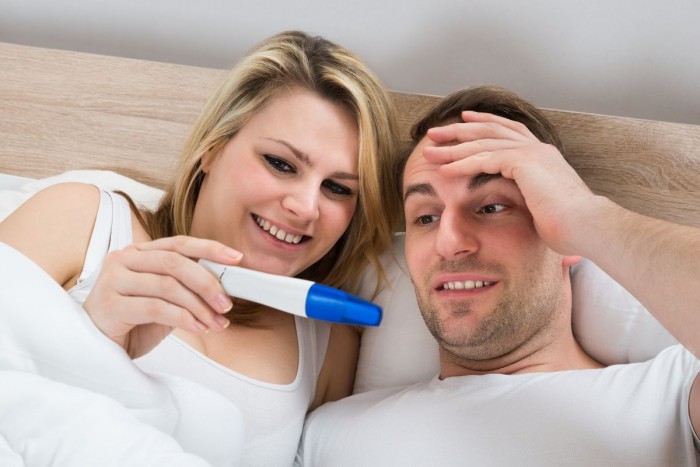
(287,171)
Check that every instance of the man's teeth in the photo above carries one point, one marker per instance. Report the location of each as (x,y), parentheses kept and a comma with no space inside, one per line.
(277,232)
(465,285)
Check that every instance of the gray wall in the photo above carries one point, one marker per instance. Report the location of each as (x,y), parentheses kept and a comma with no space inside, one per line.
(637,58)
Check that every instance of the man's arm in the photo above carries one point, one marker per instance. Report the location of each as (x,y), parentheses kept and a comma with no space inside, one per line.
(657,261)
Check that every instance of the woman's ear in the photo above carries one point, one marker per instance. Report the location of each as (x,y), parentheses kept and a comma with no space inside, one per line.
(206,161)
(569,261)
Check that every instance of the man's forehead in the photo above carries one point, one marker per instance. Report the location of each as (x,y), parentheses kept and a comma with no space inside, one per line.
(416,161)
(420,174)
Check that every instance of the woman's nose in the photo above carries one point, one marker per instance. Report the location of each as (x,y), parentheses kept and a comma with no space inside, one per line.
(303,202)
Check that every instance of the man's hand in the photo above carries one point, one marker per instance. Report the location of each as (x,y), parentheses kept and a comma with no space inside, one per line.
(555,195)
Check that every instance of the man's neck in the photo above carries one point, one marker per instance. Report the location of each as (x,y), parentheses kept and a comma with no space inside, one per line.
(546,354)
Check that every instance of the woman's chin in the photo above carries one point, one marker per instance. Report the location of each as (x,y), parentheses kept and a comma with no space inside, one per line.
(273,267)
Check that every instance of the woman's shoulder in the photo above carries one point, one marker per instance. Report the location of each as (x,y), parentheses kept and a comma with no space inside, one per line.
(64,208)
(68,190)
(53,227)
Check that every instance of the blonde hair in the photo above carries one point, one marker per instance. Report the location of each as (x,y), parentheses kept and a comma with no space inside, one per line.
(282,62)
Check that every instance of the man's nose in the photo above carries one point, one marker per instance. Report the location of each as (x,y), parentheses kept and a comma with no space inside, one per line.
(456,235)
(303,202)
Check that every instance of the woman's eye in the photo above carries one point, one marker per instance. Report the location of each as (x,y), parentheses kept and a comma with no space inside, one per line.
(278,165)
(336,189)
(426,219)
(493,208)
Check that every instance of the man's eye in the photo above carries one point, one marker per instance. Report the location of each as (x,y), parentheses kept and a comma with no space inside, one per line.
(277,164)
(336,189)
(493,208)
(426,219)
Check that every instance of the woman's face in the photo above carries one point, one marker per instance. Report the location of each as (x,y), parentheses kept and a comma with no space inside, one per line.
(284,188)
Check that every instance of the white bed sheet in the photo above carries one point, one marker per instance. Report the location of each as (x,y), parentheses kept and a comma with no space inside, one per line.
(71,396)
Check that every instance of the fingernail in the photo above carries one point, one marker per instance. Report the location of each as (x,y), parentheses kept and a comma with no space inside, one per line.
(224,302)
(233,255)
(222,321)
(200,327)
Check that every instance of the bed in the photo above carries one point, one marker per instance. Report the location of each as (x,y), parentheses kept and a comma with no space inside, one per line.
(123,122)
(65,110)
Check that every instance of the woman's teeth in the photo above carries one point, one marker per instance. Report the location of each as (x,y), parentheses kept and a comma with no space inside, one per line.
(277,232)
(459,285)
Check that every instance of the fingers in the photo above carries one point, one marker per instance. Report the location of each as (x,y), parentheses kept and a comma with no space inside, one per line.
(478,126)
(193,247)
(482,143)
(137,311)
(489,163)
(171,278)
(146,289)
(177,305)
(457,152)
(505,159)
(517,127)
(193,285)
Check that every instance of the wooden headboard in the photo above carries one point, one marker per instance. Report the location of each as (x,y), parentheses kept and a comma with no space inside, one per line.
(63,110)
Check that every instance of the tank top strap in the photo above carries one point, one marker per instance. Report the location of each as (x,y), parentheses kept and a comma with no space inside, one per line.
(112,231)
(314,339)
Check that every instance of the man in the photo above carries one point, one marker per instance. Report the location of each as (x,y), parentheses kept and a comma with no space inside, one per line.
(495,217)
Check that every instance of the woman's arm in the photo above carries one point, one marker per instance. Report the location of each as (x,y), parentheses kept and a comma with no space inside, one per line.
(142,291)
(53,229)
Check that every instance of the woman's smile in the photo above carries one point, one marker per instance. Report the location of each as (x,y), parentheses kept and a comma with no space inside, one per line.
(278,232)
(284,188)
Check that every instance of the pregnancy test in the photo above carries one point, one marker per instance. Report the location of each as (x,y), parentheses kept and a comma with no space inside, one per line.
(293,295)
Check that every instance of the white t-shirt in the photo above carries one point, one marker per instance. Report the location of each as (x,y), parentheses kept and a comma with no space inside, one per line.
(633,414)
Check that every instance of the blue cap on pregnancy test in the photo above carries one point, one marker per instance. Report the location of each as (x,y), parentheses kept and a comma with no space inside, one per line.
(327,303)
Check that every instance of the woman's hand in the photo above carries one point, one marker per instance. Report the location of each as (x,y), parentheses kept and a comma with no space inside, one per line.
(147,289)
(557,198)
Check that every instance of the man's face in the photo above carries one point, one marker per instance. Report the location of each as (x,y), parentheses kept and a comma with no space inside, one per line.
(486,284)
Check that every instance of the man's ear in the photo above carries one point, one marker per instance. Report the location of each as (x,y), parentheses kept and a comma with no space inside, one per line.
(569,261)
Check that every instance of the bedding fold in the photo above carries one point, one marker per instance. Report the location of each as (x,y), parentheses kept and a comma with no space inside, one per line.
(49,347)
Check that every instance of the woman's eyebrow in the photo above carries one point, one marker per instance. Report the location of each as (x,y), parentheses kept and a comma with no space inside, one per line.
(346,176)
(298,153)
(306,160)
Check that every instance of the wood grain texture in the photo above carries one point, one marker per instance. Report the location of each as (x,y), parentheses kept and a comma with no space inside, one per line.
(67,110)
(64,110)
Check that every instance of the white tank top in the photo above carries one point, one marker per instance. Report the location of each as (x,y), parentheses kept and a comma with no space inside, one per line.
(273,413)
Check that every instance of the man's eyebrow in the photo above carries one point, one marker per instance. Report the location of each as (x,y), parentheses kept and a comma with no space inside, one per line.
(419,188)
(481,179)
(298,153)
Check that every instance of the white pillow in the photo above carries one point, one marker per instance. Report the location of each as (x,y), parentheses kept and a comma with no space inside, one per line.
(8,181)
(611,325)
(400,350)
(19,189)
